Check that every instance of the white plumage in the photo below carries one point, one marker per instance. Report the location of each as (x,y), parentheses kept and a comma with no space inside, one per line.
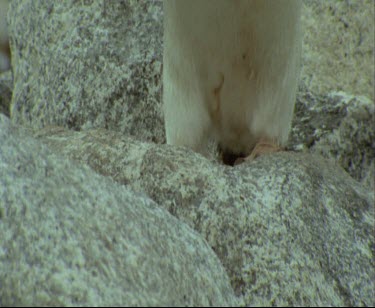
(230,72)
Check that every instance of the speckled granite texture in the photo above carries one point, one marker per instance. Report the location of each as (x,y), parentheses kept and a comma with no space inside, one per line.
(72,237)
(340,127)
(289,229)
(338,51)
(83,64)
(4,38)
(6,87)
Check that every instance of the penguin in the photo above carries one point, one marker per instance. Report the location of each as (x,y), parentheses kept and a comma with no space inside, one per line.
(230,74)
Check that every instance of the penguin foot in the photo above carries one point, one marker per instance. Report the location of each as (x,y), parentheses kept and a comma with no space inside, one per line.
(264,146)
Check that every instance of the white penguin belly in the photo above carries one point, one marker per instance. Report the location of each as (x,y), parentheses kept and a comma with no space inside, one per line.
(230,71)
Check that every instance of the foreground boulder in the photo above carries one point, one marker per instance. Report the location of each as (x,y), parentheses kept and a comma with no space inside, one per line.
(291,229)
(71,237)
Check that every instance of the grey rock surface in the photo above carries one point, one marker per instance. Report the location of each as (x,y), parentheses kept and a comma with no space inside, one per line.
(290,229)
(4,39)
(71,237)
(82,64)
(340,127)
(6,89)
(338,49)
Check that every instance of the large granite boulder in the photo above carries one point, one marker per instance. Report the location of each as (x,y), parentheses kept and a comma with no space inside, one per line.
(71,237)
(291,229)
(83,64)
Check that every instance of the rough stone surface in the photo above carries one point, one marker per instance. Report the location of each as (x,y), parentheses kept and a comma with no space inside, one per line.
(338,49)
(6,88)
(71,237)
(4,39)
(82,64)
(291,229)
(340,127)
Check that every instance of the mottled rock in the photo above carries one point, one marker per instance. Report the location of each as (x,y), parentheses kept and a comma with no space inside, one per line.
(4,39)
(6,87)
(291,229)
(340,127)
(338,49)
(82,64)
(71,237)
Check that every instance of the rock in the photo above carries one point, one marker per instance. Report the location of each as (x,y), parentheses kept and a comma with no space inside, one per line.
(6,87)
(290,228)
(71,237)
(88,64)
(4,39)
(340,127)
(338,49)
